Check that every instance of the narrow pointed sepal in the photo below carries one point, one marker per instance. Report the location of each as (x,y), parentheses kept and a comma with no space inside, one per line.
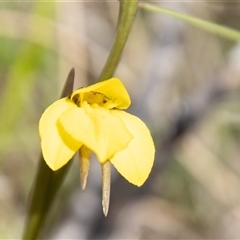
(84,162)
(68,87)
(106,184)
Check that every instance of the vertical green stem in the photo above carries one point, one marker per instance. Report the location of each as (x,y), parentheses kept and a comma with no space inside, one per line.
(48,182)
(127,13)
(45,186)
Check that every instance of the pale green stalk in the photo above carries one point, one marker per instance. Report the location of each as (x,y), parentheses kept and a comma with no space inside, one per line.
(220,30)
(48,182)
(128,10)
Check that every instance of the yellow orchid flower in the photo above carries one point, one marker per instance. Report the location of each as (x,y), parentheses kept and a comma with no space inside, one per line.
(92,119)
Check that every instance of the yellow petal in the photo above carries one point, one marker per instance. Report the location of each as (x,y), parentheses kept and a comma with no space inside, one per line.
(112,89)
(135,162)
(96,128)
(58,147)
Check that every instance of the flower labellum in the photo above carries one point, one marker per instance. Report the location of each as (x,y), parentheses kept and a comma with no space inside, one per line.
(92,119)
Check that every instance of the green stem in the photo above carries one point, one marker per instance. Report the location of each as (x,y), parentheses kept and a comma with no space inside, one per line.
(46,185)
(127,13)
(48,182)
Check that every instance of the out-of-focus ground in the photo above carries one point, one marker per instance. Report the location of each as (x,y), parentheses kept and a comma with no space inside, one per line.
(184,83)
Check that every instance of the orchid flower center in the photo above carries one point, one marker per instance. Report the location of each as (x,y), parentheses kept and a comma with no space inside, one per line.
(95,99)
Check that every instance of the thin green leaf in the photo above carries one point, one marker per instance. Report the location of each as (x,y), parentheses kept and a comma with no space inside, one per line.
(220,30)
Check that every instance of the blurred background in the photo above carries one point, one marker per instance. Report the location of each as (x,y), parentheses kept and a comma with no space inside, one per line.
(184,83)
